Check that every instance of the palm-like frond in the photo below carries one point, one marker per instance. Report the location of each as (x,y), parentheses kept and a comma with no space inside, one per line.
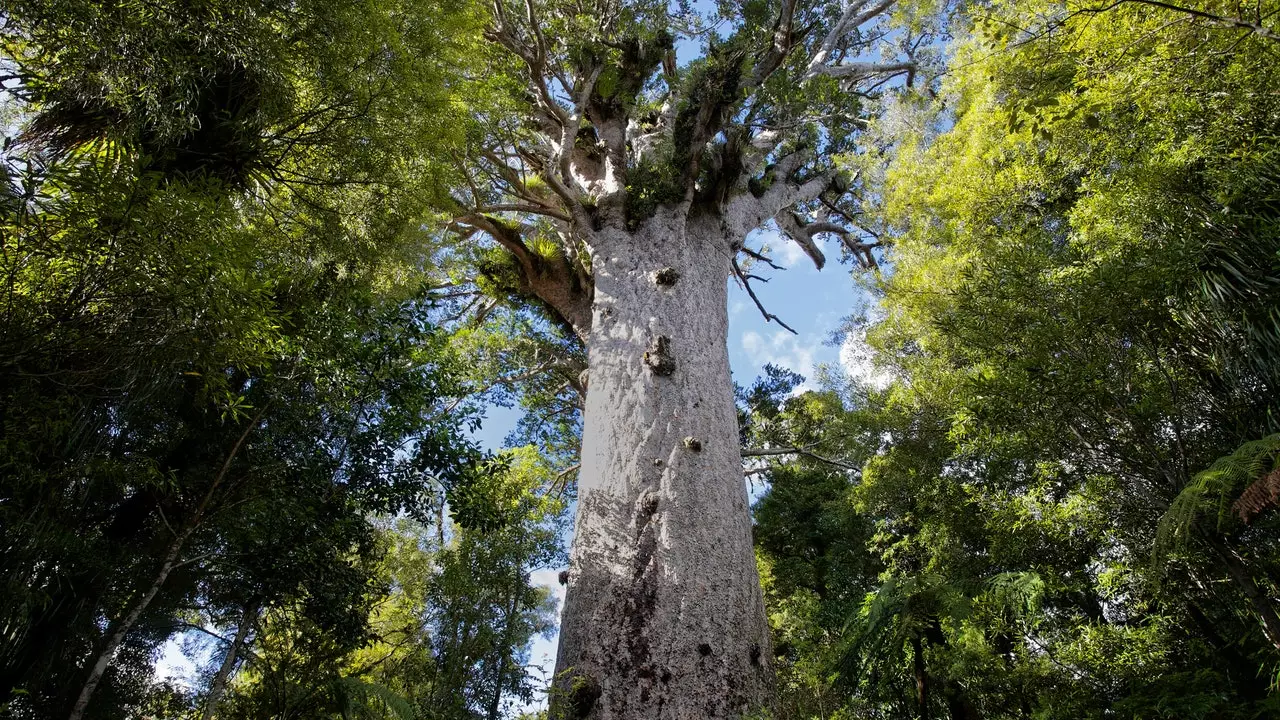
(370,701)
(1213,492)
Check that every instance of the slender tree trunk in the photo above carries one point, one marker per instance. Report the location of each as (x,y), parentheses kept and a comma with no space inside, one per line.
(504,649)
(121,629)
(219,685)
(664,617)
(958,705)
(921,676)
(1262,606)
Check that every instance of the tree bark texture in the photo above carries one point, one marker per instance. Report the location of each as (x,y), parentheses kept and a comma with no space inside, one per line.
(664,617)
(121,629)
(219,685)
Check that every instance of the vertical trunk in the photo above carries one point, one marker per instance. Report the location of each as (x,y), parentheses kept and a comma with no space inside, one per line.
(921,675)
(504,647)
(121,629)
(664,617)
(219,685)
(1243,578)
(958,705)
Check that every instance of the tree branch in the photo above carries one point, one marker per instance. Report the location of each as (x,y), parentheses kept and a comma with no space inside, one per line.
(768,316)
(859,70)
(757,256)
(852,18)
(1219,20)
(525,208)
(768,452)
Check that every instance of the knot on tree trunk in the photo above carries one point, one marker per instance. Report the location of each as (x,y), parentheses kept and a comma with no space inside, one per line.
(658,356)
(666,277)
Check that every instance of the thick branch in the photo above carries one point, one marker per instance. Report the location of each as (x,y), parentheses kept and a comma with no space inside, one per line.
(793,229)
(829,42)
(804,233)
(859,70)
(783,41)
(555,283)
(749,211)
(853,17)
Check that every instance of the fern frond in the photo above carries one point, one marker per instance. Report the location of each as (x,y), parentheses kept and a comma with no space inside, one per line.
(1214,492)
(1020,592)
(364,699)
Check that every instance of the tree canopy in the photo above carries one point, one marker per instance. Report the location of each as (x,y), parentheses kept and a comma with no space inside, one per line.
(265,264)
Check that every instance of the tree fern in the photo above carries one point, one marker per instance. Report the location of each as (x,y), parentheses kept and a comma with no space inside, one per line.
(1228,482)
(1018,592)
(361,699)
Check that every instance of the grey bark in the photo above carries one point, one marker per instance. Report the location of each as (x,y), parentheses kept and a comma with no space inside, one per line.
(219,685)
(664,617)
(121,628)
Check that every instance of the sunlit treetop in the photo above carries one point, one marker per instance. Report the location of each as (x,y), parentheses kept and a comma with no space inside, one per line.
(619,126)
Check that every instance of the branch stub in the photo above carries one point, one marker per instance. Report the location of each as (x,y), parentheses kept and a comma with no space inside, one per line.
(666,277)
(658,356)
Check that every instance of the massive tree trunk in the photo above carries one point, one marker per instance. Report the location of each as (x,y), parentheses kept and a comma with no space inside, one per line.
(650,176)
(664,616)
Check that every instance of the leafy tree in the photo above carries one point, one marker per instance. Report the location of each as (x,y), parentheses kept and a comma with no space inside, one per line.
(217,354)
(1069,481)
(449,636)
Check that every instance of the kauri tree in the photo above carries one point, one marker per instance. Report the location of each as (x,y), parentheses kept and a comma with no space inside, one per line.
(620,192)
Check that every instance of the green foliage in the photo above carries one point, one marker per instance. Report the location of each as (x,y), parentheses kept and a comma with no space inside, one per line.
(1078,309)
(216,329)
(450,626)
(1212,492)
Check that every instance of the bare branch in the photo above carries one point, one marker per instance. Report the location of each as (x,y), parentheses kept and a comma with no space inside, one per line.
(828,45)
(795,229)
(784,39)
(859,70)
(525,208)
(803,233)
(769,452)
(1219,20)
(757,256)
(768,316)
(851,19)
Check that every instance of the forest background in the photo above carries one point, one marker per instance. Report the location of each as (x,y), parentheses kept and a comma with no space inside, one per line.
(244,358)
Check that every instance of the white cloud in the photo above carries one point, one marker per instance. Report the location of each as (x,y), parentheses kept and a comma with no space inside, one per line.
(781,249)
(858,360)
(784,350)
(788,252)
(550,578)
